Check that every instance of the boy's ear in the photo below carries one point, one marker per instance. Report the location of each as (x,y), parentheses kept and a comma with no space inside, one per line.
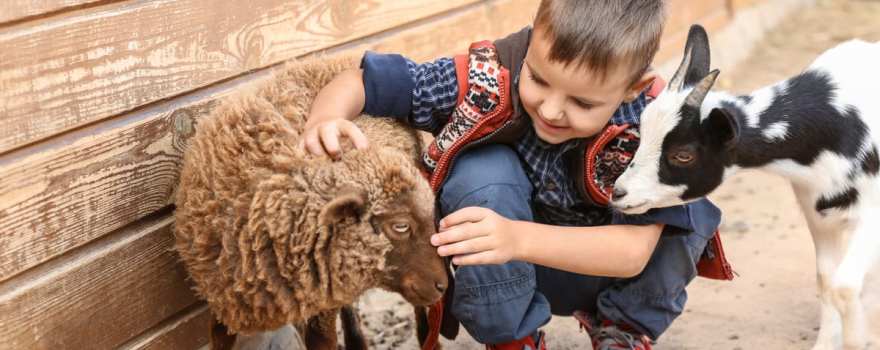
(642,84)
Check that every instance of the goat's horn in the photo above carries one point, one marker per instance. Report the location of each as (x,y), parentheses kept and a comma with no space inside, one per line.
(695,98)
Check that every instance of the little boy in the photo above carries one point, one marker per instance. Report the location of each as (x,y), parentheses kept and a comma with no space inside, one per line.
(538,125)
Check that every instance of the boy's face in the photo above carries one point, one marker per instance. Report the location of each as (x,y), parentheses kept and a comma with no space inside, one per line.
(570,102)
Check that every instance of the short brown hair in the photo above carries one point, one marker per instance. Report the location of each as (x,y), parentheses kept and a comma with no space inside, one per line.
(603,35)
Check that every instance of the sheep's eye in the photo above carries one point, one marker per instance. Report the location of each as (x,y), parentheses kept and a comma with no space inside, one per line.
(400,227)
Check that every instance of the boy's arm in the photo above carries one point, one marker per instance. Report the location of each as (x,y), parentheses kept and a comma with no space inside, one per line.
(613,250)
(421,95)
(480,236)
(331,113)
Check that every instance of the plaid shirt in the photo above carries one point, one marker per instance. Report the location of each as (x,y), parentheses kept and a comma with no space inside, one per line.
(433,87)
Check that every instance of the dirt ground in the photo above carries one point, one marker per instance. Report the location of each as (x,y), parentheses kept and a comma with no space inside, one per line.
(772,304)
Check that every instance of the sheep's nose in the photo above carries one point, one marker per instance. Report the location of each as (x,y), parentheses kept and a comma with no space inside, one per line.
(618,193)
(441,287)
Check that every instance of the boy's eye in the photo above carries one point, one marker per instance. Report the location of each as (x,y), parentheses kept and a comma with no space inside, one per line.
(537,80)
(582,104)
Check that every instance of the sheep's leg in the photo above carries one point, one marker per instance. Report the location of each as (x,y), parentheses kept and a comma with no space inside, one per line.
(351,329)
(221,339)
(861,252)
(829,250)
(320,331)
(422,326)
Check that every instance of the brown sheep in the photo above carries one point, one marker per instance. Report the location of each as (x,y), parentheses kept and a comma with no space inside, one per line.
(272,236)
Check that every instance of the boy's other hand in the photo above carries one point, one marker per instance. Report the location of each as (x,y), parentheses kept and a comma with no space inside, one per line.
(476,236)
(324,137)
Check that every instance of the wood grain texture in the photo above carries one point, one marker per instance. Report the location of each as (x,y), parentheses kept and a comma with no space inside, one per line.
(488,21)
(59,74)
(190,330)
(13,10)
(99,296)
(62,194)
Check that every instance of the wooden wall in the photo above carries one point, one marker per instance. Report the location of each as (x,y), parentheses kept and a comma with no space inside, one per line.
(97,100)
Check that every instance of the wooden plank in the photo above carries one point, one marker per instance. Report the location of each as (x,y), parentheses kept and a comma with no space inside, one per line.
(672,44)
(13,10)
(59,195)
(63,192)
(65,73)
(489,21)
(191,330)
(99,296)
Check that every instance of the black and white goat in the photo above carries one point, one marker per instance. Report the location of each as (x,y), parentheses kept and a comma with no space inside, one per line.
(818,129)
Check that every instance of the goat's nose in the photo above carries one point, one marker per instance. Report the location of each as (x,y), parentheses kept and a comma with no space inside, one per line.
(618,193)
(441,287)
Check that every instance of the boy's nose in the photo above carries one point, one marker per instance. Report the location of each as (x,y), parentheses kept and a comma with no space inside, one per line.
(549,111)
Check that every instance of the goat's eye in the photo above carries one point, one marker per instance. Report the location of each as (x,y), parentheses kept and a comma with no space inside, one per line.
(400,227)
(682,157)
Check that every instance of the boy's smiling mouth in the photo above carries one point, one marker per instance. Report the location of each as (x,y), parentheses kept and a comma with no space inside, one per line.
(547,126)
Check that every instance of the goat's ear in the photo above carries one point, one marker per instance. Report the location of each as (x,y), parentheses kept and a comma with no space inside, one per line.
(350,202)
(722,126)
(695,62)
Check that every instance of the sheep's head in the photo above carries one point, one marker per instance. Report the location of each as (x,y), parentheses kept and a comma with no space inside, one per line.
(681,156)
(392,205)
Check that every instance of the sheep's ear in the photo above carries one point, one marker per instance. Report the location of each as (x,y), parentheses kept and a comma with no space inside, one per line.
(695,62)
(722,126)
(350,202)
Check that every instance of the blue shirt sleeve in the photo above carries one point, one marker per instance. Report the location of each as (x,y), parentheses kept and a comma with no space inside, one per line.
(700,217)
(421,95)
(629,112)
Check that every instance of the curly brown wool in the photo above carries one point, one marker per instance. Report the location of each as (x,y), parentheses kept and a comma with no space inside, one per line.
(272,235)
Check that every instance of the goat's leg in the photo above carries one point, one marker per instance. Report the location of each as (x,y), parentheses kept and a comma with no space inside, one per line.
(862,249)
(829,250)
(320,331)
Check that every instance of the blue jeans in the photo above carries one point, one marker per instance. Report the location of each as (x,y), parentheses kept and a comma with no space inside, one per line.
(500,303)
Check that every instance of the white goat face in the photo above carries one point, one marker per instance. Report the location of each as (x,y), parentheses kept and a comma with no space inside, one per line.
(681,157)
(640,184)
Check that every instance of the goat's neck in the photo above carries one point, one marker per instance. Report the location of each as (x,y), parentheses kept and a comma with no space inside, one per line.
(767,119)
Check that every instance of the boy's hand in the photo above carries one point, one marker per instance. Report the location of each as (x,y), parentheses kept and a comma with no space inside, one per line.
(323,137)
(476,236)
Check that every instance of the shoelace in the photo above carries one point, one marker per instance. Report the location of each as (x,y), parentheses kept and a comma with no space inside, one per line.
(619,336)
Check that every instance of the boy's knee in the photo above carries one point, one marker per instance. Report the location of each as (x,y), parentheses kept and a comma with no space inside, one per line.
(488,176)
(493,301)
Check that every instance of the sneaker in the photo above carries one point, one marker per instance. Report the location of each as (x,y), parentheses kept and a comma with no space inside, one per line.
(527,343)
(606,335)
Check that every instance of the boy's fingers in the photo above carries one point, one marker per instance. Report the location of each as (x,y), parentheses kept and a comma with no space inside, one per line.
(469,214)
(356,135)
(330,139)
(313,144)
(455,234)
(469,246)
(481,258)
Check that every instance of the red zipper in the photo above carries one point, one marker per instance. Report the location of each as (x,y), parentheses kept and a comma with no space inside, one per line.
(452,150)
